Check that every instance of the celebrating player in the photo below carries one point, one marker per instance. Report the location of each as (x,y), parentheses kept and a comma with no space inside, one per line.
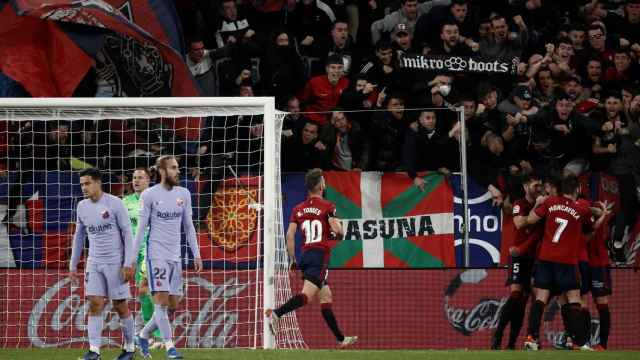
(164,209)
(317,219)
(103,219)
(601,280)
(140,182)
(522,258)
(556,268)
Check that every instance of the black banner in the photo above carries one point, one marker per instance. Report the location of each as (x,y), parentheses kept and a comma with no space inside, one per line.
(459,64)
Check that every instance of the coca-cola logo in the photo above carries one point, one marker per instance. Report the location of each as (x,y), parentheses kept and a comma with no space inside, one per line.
(59,316)
(556,336)
(481,316)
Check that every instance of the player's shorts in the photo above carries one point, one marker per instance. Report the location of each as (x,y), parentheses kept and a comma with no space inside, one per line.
(314,266)
(601,281)
(585,277)
(105,280)
(556,277)
(165,276)
(520,272)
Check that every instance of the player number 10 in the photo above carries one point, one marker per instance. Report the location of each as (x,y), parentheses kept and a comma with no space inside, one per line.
(312,231)
(562,224)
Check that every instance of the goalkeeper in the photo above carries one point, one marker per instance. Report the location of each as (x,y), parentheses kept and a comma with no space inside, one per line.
(140,182)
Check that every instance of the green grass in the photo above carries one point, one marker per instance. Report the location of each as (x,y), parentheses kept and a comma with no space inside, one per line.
(69,354)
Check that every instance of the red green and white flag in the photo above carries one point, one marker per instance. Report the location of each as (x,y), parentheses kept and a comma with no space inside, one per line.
(389,222)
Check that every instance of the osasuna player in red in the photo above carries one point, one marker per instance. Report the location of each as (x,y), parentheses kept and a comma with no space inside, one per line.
(525,241)
(316,217)
(601,280)
(556,268)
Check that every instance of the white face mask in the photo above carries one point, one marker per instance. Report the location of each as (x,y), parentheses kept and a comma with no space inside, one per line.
(444,90)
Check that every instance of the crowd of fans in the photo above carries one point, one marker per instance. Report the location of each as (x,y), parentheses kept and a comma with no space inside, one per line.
(573,105)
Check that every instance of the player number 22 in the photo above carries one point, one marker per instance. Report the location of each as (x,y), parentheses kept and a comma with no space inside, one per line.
(312,231)
(562,224)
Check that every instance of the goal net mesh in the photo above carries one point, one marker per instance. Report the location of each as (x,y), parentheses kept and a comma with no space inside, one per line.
(220,151)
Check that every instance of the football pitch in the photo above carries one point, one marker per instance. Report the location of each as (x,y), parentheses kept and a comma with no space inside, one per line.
(72,354)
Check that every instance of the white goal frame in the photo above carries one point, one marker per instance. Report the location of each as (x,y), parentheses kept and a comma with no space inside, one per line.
(264,105)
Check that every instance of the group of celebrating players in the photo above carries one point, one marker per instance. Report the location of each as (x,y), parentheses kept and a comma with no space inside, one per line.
(559,249)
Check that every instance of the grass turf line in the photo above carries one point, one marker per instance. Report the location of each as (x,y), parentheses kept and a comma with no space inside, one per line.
(202,354)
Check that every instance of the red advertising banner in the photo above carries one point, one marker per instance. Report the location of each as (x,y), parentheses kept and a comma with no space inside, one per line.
(387,309)
(447,309)
(40,308)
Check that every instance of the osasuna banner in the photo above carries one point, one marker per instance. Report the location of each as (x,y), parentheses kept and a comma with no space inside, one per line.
(389,222)
(459,64)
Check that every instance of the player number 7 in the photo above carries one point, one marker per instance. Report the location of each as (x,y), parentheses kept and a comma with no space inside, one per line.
(562,224)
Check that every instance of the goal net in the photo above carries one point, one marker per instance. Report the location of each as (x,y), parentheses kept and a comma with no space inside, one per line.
(228,150)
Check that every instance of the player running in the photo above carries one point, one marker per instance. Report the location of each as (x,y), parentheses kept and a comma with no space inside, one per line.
(103,219)
(165,209)
(317,219)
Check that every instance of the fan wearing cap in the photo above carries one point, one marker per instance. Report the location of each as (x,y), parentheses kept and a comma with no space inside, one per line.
(573,87)
(408,14)
(322,92)
(401,38)
(518,112)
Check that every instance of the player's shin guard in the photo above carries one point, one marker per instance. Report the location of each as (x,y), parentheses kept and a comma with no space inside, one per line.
(605,323)
(146,308)
(161,317)
(576,323)
(296,301)
(330,319)
(516,321)
(94,328)
(535,317)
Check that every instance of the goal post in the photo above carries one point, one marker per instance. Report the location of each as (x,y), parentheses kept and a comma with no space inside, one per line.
(269,283)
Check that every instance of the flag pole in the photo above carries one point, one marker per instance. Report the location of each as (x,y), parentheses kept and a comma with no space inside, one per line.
(464,186)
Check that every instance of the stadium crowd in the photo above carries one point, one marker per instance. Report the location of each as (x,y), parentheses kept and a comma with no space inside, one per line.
(572,106)
(573,103)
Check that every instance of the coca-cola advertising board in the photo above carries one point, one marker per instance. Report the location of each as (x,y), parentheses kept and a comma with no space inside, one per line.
(40,308)
(447,309)
(387,309)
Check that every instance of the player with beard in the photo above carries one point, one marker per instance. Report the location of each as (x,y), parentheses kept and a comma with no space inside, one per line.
(165,209)
(521,268)
(317,219)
